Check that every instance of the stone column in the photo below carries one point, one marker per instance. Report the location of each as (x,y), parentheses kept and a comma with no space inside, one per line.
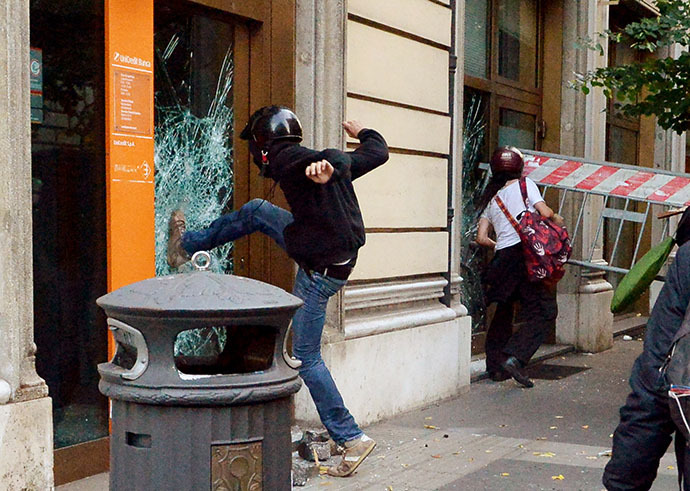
(320,93)
(26,433)
(456,194)
(320,105)
(455,175)
(320,73)
(584,299)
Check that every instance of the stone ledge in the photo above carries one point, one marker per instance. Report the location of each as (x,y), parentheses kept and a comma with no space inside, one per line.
(380,307)
(397,320)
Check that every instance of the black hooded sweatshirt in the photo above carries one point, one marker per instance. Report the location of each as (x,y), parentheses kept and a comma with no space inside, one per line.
(328,226)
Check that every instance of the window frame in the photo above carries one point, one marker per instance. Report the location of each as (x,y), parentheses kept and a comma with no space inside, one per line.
(503,92)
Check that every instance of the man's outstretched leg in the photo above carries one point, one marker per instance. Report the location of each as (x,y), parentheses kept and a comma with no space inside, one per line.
(257,215)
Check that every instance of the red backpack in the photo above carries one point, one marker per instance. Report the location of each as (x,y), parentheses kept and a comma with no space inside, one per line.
(545,244)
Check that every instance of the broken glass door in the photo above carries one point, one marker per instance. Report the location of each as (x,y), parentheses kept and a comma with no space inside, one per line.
(194,77)
(194,158)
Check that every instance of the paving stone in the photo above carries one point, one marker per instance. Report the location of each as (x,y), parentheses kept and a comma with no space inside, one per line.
(314,443)
(301,472)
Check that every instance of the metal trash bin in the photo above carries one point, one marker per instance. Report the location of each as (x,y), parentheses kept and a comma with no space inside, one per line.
(217,418)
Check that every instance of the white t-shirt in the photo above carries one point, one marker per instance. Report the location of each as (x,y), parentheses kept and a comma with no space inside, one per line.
(511,196)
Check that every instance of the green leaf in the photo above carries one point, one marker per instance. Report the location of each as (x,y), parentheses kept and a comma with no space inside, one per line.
(641,275)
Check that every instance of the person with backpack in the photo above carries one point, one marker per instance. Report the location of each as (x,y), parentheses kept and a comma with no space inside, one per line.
(506,277)
(322,233)
(646,425)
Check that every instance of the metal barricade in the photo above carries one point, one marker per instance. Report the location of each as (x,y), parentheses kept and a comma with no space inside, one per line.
(637,186)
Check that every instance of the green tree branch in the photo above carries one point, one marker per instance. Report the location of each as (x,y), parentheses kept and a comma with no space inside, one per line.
(657,87)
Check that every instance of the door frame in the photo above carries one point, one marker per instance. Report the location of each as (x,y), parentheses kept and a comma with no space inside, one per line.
(271,48)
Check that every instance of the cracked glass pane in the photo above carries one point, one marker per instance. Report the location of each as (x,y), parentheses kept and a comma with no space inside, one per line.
(193,141)
(474,181)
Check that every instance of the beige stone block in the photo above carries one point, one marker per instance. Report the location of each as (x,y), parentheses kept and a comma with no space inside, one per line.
(26,445)
(585,320)
(390,67)
(596,322)
(420,17)
(390,255)
(401,127)
(383,375)
(407,191)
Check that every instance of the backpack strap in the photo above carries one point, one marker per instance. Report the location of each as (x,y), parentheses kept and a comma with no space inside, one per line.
(505,211)
(523,191)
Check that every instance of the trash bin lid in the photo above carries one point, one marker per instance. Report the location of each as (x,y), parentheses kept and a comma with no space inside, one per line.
(196,293)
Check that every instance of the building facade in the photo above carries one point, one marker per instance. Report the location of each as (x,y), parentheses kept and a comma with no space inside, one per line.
(89,176)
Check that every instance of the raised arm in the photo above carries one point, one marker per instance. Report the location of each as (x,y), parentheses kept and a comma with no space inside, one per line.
(320,167)
(372,151)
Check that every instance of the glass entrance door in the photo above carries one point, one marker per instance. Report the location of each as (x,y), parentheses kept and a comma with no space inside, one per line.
(202,95)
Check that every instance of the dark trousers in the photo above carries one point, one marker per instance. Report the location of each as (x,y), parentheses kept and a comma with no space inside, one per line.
(643,434)
(646,426)
(507,283)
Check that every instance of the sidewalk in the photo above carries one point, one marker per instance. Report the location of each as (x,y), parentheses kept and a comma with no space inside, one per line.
(499,436)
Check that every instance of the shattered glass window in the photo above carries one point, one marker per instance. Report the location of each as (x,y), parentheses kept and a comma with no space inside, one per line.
(193,140)
(474,181)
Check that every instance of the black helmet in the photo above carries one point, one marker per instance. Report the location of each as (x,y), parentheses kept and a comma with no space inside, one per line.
(272,123)
(507,159)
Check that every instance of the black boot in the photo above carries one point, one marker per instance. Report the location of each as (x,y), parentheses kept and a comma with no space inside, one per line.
(498,375)
(513,366)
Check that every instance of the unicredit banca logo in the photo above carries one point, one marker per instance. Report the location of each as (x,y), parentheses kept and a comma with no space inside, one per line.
(132,60)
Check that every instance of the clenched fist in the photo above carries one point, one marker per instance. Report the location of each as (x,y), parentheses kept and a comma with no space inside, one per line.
(320,172)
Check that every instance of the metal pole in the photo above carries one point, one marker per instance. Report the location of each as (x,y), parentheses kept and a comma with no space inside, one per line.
(452,68)
(579,216)
(599,227)
(618,234)
(639,236)
(562,203)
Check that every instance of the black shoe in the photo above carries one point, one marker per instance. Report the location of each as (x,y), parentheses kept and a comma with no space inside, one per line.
(498,375)
(513,366)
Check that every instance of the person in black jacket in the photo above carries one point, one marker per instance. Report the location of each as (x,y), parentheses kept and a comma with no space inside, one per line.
(646,427)
(322,233)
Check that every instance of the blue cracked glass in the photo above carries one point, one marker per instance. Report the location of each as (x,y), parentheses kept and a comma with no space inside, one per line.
(193,146)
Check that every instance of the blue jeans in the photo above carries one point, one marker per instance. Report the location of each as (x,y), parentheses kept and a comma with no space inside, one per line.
(307,323)
(256,215)
(307,326)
